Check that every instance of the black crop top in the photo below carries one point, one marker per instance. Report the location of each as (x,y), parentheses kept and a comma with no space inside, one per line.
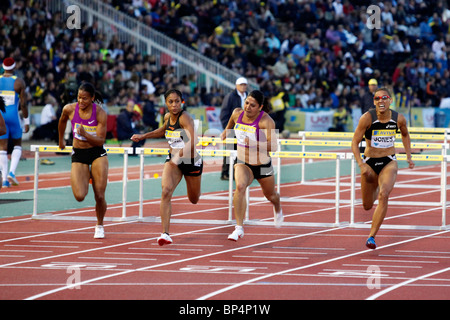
(382,135)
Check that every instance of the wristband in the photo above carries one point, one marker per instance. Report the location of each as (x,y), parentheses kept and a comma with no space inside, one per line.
(26,121)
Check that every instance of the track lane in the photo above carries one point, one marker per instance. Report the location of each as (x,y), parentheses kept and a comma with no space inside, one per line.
(171,265)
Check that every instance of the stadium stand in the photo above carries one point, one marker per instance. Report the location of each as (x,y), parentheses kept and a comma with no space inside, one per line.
(319,52)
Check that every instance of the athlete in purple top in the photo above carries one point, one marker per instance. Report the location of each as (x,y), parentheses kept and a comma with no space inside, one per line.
(256,137)
(89,131)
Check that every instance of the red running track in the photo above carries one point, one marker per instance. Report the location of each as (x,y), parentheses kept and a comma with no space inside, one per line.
(53,259)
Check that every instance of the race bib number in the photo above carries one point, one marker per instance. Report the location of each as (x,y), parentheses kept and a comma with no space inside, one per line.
(88,129)
(383,139)
(175,140)
(243,131)
(9,97)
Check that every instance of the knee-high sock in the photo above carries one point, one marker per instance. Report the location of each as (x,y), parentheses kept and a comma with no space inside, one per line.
(15,158)
(4,164)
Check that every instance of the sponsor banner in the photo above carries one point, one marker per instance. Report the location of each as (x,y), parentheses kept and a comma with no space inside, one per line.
(295,120)
(213,118)
(319,120)
(421,117)
(199,113)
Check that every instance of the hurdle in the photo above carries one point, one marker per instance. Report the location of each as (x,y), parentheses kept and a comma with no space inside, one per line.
(340,156)
(443,159)
(337,201)
(37,149)
(202,152)
(443,147)
(434,134)
(142,152)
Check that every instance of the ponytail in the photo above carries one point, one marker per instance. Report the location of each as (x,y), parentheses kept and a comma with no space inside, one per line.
(267,107)
(262,100)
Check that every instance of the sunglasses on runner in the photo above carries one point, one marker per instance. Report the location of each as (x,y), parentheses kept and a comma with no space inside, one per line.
(385,97)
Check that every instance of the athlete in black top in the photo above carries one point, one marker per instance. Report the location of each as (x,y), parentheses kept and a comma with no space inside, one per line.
(183,159)
(379,166)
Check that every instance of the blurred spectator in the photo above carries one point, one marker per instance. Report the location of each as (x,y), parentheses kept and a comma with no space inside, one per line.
(48,128)
(149,112)
(340,119)
(367,99)
(128,124)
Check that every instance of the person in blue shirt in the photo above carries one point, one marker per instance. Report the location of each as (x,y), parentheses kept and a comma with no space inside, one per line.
(2,126)
(12,90)
(2,121)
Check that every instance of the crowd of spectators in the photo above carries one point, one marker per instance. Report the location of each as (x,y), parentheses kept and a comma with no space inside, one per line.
(320,52)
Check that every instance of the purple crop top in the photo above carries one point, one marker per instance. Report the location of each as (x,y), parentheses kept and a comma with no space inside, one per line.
(250,130)
(90,125)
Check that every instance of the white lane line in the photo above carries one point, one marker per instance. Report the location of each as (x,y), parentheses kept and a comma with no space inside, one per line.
(364,271)
(404,283)
(39,246)
(380,266)
(40,295)
(212,294)
(58,241)
(37,251)
(269,257)
(118,258)
(254,262)
(288,252)
(144,253)
(402,261)
(165,249)
(62,231)
(421,251)
(413,256)
(308,248)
